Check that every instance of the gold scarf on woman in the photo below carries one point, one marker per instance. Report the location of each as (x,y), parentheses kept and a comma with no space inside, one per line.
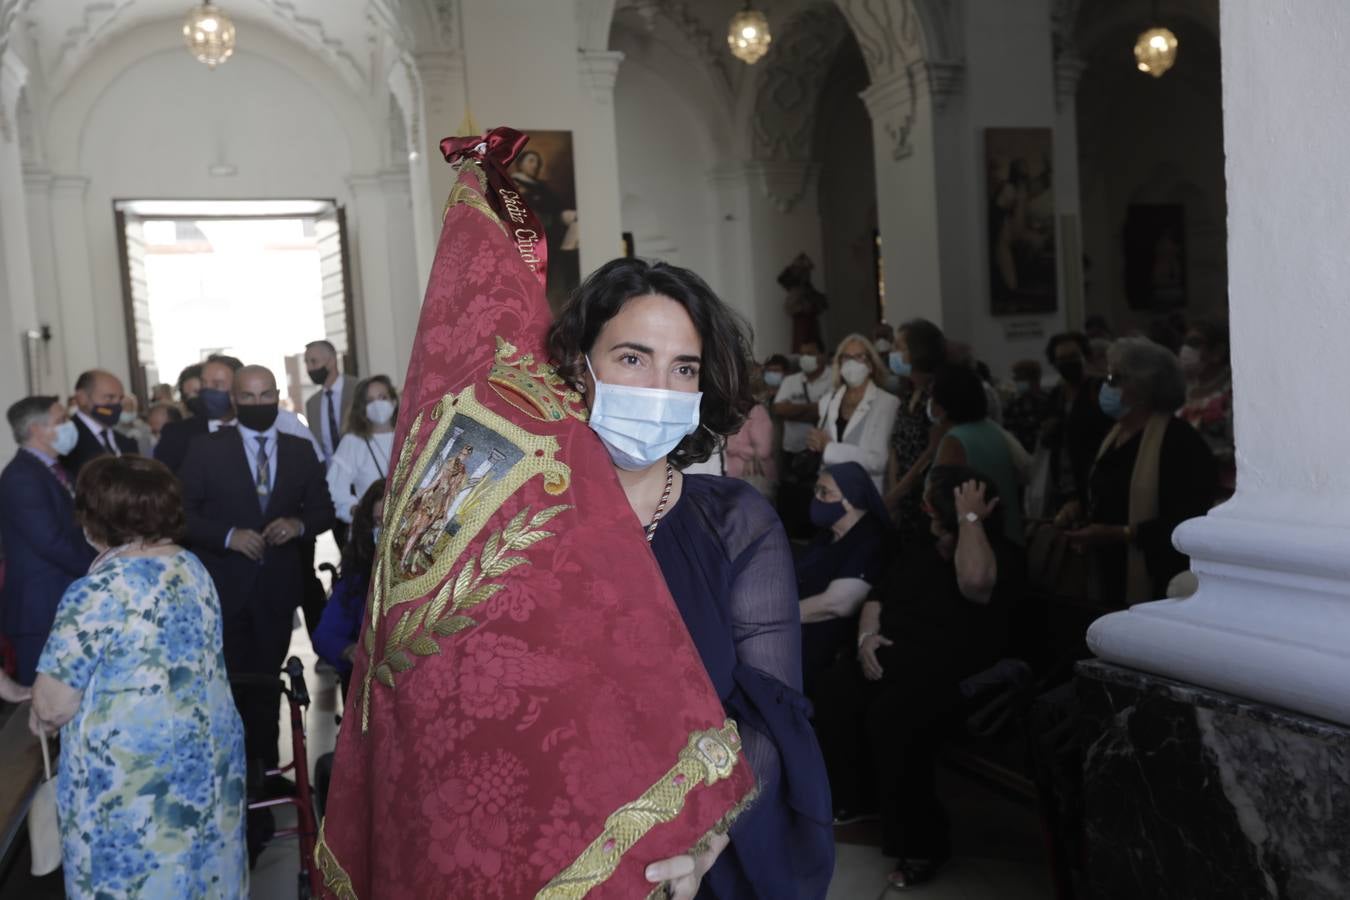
(1143,501)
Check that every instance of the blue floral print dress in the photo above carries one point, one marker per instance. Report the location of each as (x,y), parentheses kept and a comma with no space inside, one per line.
(150,790)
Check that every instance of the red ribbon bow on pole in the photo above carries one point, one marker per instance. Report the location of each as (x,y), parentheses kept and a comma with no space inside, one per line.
(495,151)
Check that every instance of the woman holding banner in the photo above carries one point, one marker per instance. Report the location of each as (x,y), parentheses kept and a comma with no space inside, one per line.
(664,366)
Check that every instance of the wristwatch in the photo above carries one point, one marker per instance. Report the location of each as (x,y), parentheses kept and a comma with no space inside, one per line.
(971,517)
(864,636)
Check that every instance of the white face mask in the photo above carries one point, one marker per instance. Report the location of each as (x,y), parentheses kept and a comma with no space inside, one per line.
(854,372)
(809,364)
(883,346)
(773,379)
(66,438)
(379,412)
(127,418)
(641,426)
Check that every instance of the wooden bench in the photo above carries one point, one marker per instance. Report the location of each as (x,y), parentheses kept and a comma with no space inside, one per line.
(21,763)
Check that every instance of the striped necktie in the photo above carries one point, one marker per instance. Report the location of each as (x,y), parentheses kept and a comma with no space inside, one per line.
(264,482)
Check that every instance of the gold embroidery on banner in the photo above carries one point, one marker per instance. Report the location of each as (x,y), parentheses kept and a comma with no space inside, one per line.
(462,194)
(444,616)
(338,882)
(709,757)
(436,508)
(537,391)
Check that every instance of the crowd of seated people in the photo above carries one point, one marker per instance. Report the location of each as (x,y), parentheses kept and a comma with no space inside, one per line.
(908,476)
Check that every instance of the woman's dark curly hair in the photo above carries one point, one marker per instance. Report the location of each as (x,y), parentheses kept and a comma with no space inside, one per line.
(926,343)
(359,554)
(960,393)
(724,376)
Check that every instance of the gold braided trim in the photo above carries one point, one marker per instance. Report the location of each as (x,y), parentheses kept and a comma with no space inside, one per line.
(709,757)
(723,826)
(338,882)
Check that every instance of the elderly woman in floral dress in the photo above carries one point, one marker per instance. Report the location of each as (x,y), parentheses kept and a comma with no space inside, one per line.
(150,788)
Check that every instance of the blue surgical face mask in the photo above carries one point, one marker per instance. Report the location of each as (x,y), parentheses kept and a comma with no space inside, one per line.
(899,365)
(824,514)
(67,436)
(773,379)
(641,426)
(1112,401)
(215,403)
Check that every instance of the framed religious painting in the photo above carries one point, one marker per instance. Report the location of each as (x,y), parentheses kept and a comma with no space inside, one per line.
(545,175)
(1020,200)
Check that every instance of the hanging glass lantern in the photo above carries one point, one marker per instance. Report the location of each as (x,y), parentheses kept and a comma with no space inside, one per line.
(1156,51)
(209,34)
(748,35)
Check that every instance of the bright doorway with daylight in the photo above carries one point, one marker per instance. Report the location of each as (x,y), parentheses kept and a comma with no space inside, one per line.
(253,279)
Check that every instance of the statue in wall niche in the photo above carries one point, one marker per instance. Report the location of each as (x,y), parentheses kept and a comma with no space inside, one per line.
(804,303)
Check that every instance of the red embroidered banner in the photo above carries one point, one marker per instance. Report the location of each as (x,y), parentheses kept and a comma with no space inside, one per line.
(528,717)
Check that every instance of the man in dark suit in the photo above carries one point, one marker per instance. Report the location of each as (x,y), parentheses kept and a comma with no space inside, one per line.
(45,549)
(213,406)
(329,410)
(251,494)
(98,398)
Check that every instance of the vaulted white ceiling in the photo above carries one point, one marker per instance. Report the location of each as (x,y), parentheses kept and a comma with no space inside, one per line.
(58,36)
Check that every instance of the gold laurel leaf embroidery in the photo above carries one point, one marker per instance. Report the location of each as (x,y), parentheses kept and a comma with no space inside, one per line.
(544,516)
(452,625)
(335,878)
(479,595)
(424,646)
(472,587)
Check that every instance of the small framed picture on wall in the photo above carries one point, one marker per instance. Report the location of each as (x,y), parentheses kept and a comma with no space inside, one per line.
(1021,220)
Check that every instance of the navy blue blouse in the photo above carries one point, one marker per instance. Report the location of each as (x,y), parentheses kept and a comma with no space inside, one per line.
(728,564)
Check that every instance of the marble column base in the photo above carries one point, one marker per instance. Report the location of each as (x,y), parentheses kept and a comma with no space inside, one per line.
(1190,794)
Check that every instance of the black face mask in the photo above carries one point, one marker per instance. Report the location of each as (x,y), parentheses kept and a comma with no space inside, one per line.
(1071,370)
(106,415)
(259,417)
(210,403)
(318,376)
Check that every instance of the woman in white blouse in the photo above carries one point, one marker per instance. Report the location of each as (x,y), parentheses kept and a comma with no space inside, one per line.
(362,457)
(857,416)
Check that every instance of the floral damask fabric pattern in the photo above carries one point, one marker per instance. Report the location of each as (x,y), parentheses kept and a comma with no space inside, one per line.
(150,790)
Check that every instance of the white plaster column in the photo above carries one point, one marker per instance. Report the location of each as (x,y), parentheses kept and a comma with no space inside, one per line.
(601,220)
(46,296)
(735,278)
(783,219)
(1271,620)
(440,77)
(388,290)
(1068,71)
(70,240)
(907,196)
(16,289)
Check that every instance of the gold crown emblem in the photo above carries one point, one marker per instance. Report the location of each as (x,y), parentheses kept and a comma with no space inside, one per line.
(535,389)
